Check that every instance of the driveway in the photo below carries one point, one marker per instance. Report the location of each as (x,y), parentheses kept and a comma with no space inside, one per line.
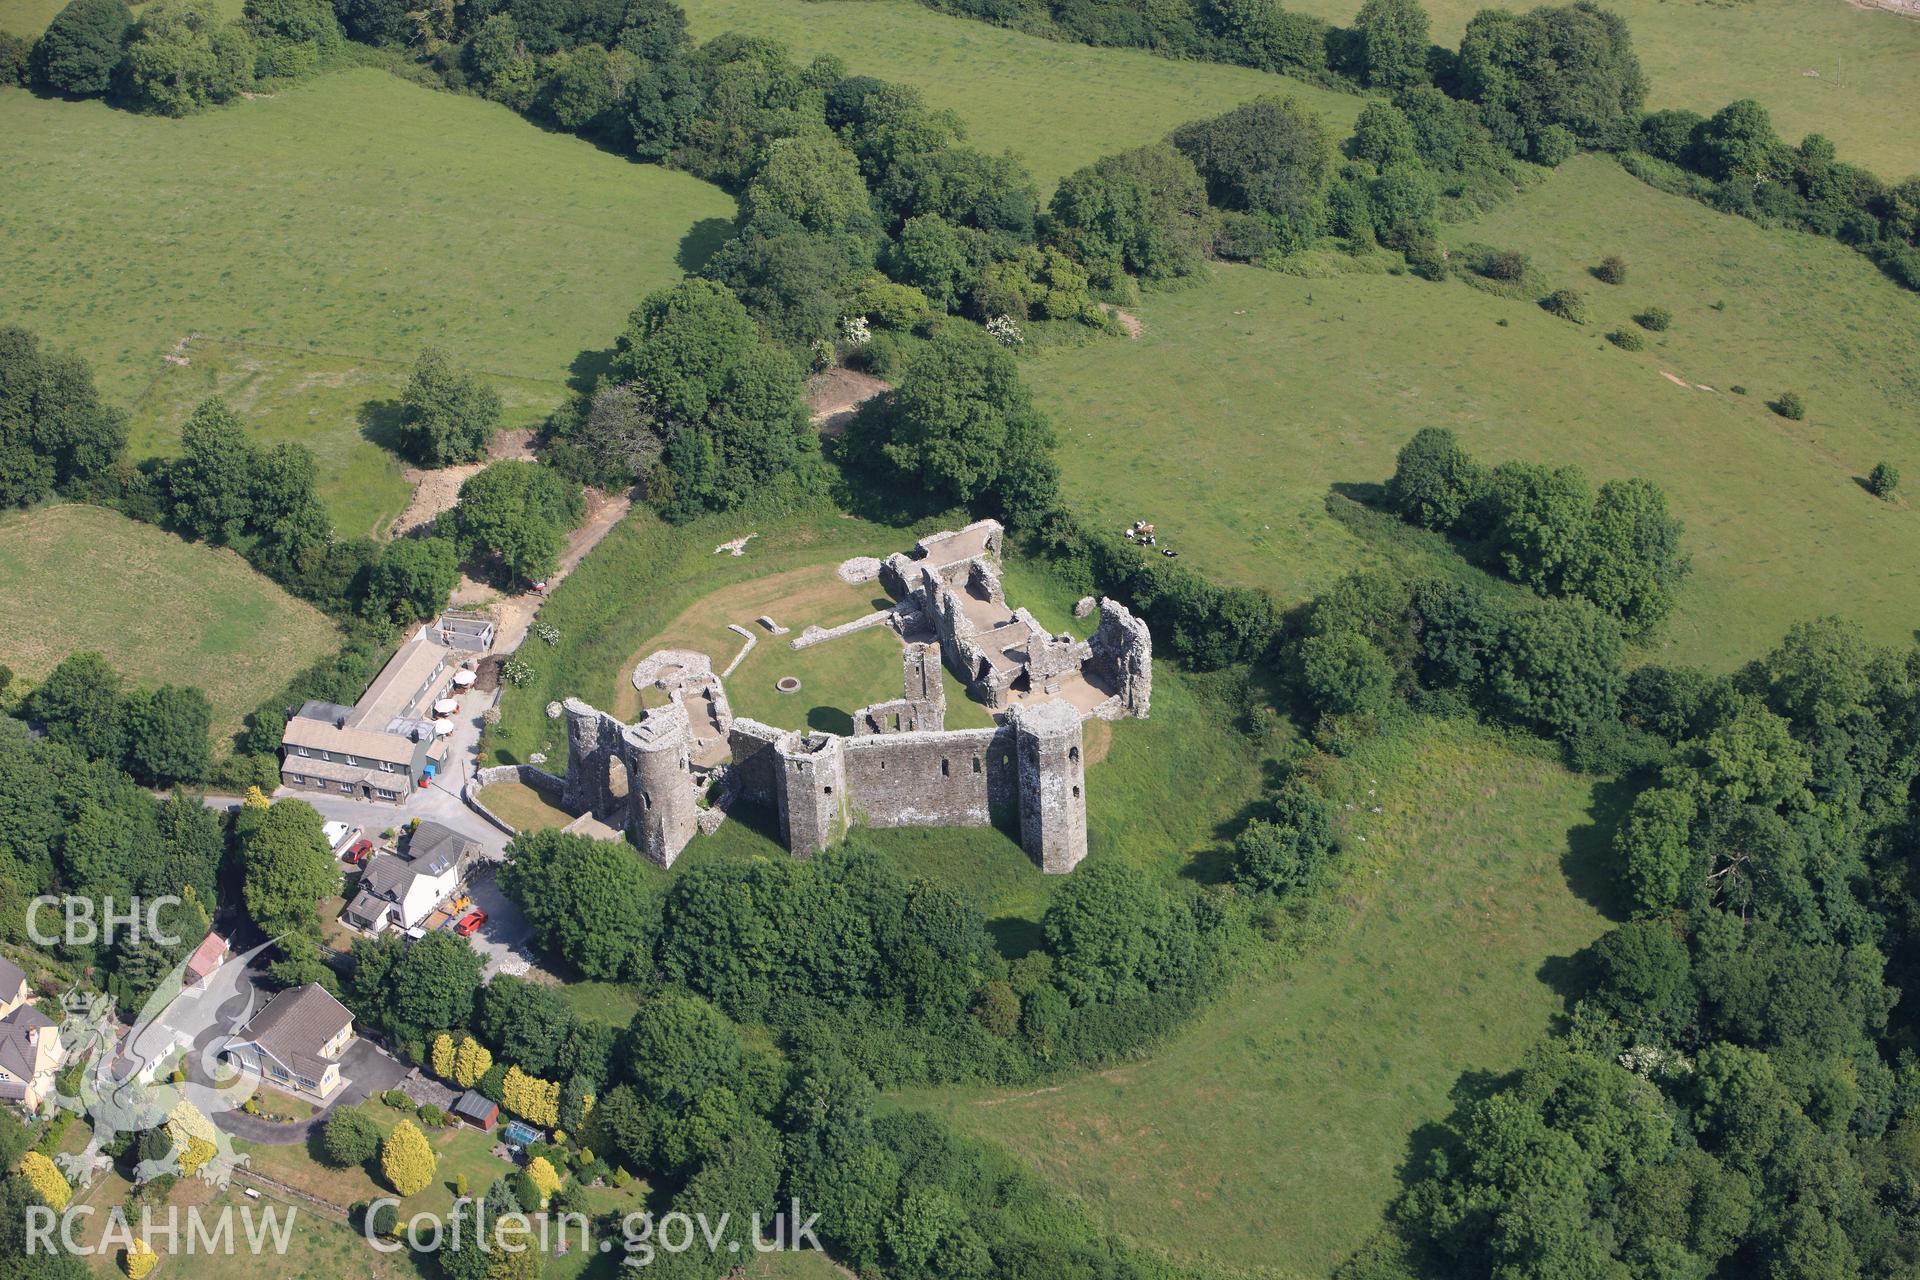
(506,939)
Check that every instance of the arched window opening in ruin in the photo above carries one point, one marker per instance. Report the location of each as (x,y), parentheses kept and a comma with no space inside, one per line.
(976,764)
(826,791)
(618,781)
(945,770)
(646,802)
(1073,754)
(1076,793)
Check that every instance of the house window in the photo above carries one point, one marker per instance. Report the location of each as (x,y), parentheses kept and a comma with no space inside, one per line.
(347,787)
(303,751)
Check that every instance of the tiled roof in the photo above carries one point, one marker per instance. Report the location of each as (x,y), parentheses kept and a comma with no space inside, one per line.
(296,1025)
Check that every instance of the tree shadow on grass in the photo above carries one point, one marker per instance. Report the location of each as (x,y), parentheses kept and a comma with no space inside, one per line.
(702,241)
(1015,936)
(587,368)
(380,424)
(1590,865)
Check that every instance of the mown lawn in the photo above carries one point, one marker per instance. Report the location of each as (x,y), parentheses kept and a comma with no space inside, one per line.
(1268,1135)
(324,235)
(1247,398)
(1057,106)
(1703,55)
(523,807)
(161,609)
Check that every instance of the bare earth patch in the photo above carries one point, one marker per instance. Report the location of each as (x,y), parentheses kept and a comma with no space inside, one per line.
(436,491)
(1128,322)
(833,395)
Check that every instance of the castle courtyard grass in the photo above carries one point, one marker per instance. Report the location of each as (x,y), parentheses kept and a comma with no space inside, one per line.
(162,610)
(1248,397)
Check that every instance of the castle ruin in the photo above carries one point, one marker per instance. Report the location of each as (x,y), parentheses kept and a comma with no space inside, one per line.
(901,767)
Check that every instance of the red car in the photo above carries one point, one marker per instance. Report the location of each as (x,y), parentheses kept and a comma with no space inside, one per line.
(469,922)
(357,852)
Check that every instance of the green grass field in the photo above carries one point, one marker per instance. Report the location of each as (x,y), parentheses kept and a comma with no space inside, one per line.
(323,257)
(1703,55)
(1265,1138)
(162,610)
(344,408)
(1057,106)
(1248,397)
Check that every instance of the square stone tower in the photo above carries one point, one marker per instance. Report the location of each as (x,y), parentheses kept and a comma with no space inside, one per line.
(1053,785)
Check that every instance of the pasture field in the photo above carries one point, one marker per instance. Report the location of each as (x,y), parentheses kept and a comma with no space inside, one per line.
(344,408)
(163,610)
(1703,55)
(1247,397)
(322,236)
(1266,1137)
(1057,106)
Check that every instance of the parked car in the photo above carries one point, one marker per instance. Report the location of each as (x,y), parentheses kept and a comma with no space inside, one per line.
(356,854)
(470,922)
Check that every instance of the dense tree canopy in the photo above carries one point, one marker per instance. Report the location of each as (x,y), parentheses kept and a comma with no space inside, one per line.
(54,431)
(286,867)
(515,516)
(80,48)
(447,415)
(1270,157)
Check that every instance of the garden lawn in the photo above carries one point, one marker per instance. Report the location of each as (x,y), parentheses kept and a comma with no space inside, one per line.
(351,219)
(1268,1135)
(1057,106)
(522,807)
(1820,66)
(163,610)
(1247,398)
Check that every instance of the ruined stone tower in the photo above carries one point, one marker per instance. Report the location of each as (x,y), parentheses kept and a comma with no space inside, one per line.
(635,776)
(810,786)
(1053,785)
(661,813)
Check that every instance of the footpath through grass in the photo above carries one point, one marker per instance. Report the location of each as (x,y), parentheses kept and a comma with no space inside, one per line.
(1250,395)
(161,609)
(1266,1137)
(1057,106)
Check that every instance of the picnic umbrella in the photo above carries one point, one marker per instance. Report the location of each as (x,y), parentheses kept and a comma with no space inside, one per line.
(445,707)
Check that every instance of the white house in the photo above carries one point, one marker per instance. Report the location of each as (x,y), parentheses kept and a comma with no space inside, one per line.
(398,891)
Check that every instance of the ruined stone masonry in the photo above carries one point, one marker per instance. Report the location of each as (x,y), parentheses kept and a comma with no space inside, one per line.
(901,767)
